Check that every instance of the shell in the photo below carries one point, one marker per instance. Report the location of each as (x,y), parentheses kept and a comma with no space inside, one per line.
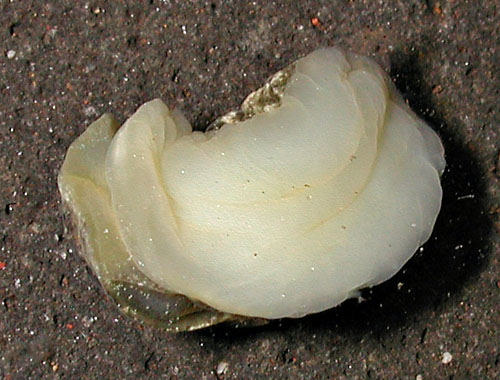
(323,183)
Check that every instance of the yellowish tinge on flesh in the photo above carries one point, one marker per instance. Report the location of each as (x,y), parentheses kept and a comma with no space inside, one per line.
(324,183)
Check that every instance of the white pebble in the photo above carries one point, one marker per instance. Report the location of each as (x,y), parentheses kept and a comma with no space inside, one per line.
(222,368)
(89,111)
(446,358)
(11,54)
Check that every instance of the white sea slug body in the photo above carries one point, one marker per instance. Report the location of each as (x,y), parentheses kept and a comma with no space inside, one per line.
(324,183)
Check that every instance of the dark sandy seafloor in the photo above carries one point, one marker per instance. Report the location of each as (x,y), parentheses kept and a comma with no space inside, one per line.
(64,63)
